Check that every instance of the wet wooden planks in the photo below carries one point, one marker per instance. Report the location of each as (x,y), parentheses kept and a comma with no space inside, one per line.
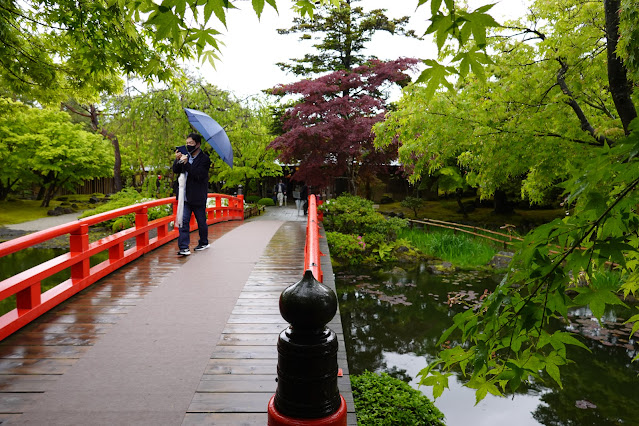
(241,375)
(35,356)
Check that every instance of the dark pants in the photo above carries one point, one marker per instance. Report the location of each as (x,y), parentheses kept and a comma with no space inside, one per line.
(203,228)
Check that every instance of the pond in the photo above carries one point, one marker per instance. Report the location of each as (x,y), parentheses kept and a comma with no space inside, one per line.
(393,320)
(15,263)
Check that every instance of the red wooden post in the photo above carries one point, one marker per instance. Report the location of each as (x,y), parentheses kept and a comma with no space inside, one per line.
(116,252)
(218,207)
(163,231)
(141,220)
(28,298)
(240,202)
(240,205)
(79,243)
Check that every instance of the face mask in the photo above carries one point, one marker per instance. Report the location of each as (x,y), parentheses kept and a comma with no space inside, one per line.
(190,148)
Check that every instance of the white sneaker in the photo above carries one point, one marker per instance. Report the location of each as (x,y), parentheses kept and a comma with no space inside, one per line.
(184,252)
(201,247)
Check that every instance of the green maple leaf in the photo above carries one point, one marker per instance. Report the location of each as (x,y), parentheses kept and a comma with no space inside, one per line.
(597,299)
(435,76)
(438,381)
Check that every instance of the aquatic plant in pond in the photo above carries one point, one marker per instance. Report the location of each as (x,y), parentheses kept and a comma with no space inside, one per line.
(393,320)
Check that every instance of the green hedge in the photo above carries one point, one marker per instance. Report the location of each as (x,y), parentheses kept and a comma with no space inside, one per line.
(266,202)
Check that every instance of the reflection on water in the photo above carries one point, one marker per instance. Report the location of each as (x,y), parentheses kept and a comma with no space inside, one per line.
(392,322)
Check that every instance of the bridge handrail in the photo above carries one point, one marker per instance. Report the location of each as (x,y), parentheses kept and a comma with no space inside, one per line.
(31,302)
(311,249)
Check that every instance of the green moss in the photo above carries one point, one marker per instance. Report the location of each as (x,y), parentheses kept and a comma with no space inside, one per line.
(18,211)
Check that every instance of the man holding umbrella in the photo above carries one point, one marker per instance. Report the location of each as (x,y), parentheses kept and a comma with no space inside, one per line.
(195,167)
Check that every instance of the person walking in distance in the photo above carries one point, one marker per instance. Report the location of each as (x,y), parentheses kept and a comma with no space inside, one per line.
(281,190)
(194,166)
(304,198)
(297,197)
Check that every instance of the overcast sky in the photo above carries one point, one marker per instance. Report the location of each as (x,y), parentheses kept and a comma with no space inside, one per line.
(253,47)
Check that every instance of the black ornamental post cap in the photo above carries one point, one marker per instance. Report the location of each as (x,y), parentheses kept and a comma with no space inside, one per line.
(308,304)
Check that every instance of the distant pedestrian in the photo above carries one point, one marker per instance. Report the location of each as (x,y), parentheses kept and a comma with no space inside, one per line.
(298,198)
(281,192)
(304,198)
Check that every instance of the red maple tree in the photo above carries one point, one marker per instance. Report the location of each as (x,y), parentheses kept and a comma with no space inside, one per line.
(328,132)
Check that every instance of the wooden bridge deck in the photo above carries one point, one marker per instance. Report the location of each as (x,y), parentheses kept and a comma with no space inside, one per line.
(39,363)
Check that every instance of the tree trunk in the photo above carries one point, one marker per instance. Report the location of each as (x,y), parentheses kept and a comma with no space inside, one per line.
(48,195)
(117,175)
(620,87)
(117,164)
(501,203)
(41,192)
(5,190)
(458,196)
(430,188)
(93,114)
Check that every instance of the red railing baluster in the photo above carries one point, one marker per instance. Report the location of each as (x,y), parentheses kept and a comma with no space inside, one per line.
(78,244)
(28,298)
(142,220)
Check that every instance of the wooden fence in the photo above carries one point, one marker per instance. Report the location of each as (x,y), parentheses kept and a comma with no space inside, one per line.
(497,237)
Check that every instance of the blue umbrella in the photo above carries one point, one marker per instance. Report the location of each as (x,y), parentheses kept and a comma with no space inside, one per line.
(213,133)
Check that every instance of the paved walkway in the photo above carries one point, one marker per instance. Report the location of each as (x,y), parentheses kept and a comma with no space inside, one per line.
(147,367)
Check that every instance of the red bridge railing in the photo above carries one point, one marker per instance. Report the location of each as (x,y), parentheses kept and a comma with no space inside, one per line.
(311,250)
(26,286)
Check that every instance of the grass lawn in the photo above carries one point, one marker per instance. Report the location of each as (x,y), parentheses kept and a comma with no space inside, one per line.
(18,211)
(482,216)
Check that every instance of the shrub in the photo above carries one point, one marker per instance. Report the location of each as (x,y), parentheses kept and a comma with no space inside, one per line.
(127,197)
(346,247)
(252,199)
(121,224)
(356,217)
(386,199)
(160,211)
(349,214)
(412,203)
(385,400)
(266,202)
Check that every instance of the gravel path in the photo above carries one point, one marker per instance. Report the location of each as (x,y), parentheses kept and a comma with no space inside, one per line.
(43,223)
(9,232)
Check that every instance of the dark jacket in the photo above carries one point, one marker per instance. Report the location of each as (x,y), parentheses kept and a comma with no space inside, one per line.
(197,182)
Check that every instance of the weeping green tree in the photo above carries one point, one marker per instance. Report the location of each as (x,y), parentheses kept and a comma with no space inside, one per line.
(150,125)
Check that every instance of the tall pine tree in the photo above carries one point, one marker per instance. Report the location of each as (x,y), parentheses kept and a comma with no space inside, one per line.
(341,35)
